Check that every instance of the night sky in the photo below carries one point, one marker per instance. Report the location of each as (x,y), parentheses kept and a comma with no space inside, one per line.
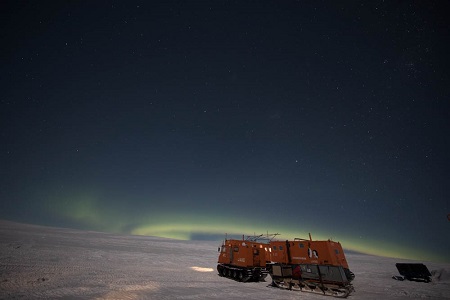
(192,119)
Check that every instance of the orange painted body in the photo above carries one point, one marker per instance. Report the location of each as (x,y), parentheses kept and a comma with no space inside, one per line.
(314,266)
(244,254)
(308,252)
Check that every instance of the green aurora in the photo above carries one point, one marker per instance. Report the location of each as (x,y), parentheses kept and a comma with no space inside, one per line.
(89,213)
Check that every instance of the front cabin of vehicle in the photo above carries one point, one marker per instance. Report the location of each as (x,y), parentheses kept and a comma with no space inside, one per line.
(243,260)
(243,253)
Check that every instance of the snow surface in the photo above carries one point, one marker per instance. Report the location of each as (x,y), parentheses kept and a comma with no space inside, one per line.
(44,262)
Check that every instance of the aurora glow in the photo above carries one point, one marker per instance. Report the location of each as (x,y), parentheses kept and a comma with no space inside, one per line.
(90,214)
(192,120)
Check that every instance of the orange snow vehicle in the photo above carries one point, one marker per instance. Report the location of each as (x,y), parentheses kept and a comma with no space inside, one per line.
(312,266)
(244,260)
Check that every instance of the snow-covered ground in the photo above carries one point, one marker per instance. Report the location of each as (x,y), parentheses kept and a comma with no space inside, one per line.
(43,262)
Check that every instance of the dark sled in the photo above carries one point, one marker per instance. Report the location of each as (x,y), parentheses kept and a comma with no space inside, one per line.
(413,272)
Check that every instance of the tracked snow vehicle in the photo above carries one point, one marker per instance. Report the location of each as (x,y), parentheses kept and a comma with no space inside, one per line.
(311,266)
(244,260)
